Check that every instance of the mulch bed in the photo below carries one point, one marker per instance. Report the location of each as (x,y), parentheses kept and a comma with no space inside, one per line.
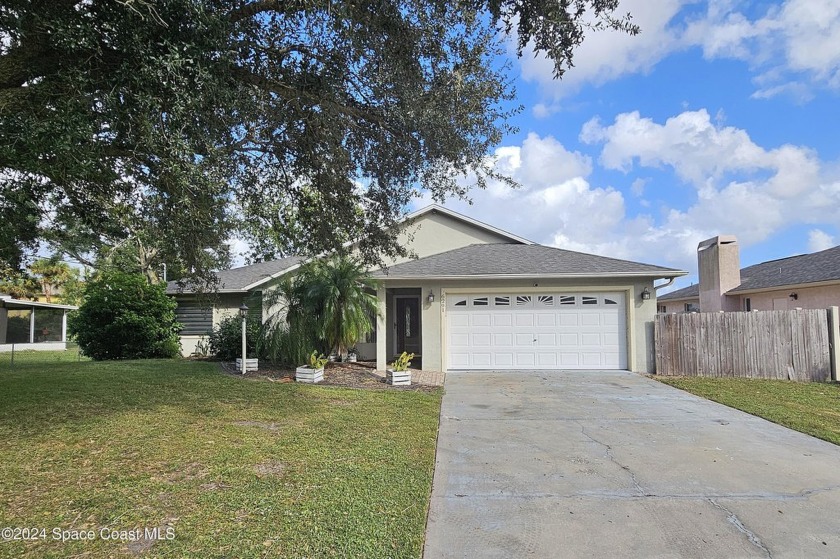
(348,375)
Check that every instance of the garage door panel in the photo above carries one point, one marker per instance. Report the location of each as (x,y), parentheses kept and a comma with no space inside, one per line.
(482,339)
(525,339)
(503,319)
(525,360)
(538,331)
(504,340)
(590,319)
(504,360)
(524,319)
(482,359)
(459,320)
(459,340)
(570,318)
(480,319)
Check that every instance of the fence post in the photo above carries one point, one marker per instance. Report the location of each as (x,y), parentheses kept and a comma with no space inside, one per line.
(12,362)
(834,340)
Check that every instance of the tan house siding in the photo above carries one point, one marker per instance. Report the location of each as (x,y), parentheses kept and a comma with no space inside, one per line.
(820,297)
(435,232)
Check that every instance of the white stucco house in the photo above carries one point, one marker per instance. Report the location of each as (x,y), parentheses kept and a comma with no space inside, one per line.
(478,297)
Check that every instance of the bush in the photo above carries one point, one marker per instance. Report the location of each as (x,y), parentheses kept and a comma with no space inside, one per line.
(125,317)
(226,338)
(288,345)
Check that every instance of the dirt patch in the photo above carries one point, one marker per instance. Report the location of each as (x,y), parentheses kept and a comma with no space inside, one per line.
(270,468)
(347,375)
(190,472)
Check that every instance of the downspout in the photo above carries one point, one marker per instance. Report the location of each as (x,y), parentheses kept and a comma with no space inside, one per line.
(666,284)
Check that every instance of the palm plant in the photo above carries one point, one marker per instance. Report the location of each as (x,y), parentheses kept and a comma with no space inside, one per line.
(343,292)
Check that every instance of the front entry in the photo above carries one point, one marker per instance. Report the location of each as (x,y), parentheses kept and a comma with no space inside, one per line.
(408,324)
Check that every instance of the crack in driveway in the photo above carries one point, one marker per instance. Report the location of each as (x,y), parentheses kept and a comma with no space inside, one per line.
(733,519)
(613,459)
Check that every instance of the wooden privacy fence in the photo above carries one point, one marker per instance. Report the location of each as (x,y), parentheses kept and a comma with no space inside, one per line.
(792,345)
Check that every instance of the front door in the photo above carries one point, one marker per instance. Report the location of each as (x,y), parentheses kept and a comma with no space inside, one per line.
(408,325)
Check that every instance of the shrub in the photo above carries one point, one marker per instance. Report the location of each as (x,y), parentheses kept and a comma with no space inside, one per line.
(125,317)
(226,338)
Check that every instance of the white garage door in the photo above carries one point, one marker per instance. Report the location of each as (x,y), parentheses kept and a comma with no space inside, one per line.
(536,331)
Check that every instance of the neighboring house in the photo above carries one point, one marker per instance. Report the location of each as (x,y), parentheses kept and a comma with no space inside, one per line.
(32,324)
(808,281)
(477,297)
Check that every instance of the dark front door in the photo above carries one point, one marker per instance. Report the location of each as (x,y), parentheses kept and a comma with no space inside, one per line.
(408,325)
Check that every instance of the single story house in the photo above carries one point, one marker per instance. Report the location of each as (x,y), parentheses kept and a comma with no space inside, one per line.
(478,297)
(32,324)
(807,281)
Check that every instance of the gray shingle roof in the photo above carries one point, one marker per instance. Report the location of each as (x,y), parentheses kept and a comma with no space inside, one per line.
(690,292)
(794,270)
(237,279)
(520,260)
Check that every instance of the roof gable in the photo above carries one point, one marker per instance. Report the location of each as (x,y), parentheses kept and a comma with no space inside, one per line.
(245,278)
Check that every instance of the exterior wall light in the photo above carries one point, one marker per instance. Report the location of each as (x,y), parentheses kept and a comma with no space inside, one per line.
(645,294)
(794,295)
(430,297)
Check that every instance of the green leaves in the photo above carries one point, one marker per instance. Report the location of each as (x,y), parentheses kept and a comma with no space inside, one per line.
(178,124)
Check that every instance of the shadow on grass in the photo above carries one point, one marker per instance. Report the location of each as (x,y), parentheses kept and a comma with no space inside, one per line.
(37,397)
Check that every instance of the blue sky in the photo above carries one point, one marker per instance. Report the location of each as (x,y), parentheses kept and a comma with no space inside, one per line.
(720,118)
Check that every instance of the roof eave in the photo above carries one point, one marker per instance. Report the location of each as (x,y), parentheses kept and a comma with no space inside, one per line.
(738,291)
(675,273)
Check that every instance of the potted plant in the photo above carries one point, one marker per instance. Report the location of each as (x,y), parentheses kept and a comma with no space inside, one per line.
(352,355)
(314,371)
(398,374)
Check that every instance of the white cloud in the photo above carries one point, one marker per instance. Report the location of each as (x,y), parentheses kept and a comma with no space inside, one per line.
(608,55)
(820,240)
(791,48)
(735,187)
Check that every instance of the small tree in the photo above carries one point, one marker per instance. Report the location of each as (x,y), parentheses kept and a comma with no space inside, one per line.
(342,291)
(125,317)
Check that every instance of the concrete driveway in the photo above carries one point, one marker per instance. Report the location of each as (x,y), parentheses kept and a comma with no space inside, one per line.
(612,464)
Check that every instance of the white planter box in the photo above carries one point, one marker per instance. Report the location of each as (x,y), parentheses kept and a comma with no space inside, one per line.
(250,364)
(308,374)
(398,378)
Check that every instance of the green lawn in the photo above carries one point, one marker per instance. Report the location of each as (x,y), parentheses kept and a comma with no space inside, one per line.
(809,407)
(236,468)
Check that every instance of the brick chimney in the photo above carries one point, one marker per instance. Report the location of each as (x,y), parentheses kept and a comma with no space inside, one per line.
(719,266)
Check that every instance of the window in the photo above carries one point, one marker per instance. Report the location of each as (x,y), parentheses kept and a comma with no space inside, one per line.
(196,317)
(609,301)
(503,301)
(747,304)
(692,307)
(567,299)
(461,302)
(523,300)
(546,300)
(661,309)
(480,301)
(589,300)
(48,325)
(17,327)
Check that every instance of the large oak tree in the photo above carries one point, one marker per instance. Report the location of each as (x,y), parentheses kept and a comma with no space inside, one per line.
(167,126)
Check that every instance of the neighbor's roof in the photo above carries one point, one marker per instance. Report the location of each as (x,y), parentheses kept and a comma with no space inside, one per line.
(690,292)
(794,270)
(245,278)
(515,261)
(10,303)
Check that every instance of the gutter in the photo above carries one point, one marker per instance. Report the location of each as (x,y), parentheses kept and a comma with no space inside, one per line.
(673,275)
